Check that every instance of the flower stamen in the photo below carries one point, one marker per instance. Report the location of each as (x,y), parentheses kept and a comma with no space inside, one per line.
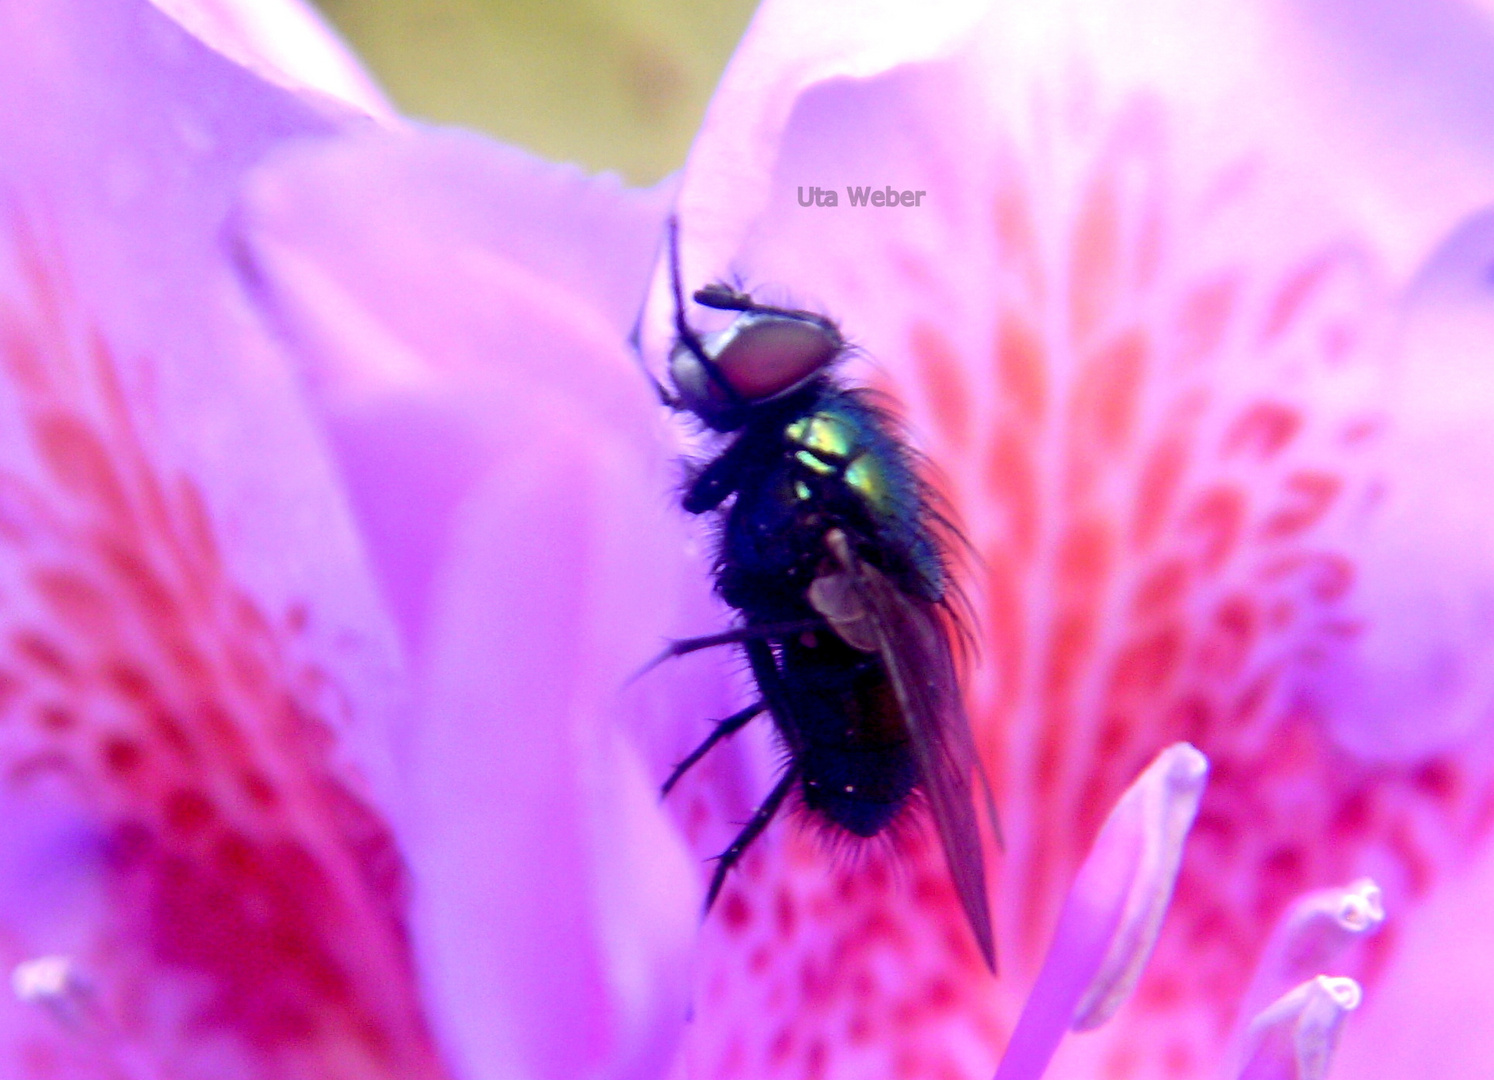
(1295,1037)
(1113,913)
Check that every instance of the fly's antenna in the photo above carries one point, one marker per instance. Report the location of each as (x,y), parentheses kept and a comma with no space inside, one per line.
(682,328)
(724,297)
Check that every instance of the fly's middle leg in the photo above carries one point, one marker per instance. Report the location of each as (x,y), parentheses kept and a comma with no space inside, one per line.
(724,728)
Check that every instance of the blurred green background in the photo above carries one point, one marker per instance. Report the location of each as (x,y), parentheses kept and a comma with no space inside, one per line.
(618,85)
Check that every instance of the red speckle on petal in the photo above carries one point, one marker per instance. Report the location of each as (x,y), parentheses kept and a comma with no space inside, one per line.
(1020,367)
(1216,519)
(1107,396)
(736,913)
(1011,480)
(1095,265)
(1205,315)
(943,380)
(1308,496)
(257,898)
(1264,430)
(1157,489)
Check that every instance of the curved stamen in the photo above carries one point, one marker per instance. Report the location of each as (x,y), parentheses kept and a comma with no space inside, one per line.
(1294,1039)
(1110,920)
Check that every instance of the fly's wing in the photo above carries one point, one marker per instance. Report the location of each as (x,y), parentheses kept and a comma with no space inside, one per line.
(914,646)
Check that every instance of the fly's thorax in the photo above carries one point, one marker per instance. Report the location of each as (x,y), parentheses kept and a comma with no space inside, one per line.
(823,459)
(832,443)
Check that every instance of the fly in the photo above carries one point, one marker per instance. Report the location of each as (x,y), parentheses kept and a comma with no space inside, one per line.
(831,555)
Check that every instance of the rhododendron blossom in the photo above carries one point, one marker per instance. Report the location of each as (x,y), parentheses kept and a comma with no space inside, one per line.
(335,512)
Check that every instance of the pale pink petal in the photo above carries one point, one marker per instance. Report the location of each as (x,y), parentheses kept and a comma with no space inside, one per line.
(460,312)
(429,284)
(787,49)
(1422,682)
(1113,912)
(417,275)
(560,907)
(286,42)
(1426,1010)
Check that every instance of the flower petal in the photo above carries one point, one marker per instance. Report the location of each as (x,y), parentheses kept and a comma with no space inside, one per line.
(194,654)
(787,49)
(559,907)
(416,275)
(460,312)
(1113,913)
(1137,324)
(1425,1014)
(1419,679)
(285,42)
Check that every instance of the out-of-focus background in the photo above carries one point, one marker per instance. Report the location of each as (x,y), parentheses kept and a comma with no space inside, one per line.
(609,84)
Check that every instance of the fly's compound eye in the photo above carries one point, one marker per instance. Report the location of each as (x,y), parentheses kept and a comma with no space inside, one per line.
(760,357)
(701,391)
(764,355)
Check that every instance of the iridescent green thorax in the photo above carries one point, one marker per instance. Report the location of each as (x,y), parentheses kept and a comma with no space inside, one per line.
(848,441)
(830,459)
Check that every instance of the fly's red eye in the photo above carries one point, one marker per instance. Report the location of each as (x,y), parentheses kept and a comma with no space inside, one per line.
(763,355)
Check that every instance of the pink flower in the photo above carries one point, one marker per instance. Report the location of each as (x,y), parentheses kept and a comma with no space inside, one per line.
(334,514)
(1190,319)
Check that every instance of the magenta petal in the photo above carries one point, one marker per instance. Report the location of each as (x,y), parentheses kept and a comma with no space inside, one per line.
(177,545)
(1114,910)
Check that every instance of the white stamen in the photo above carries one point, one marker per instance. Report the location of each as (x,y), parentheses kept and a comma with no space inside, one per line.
(1166,798)
(41,979)
(1114,909)
(56,984)
(1312,936)
(1295,1037)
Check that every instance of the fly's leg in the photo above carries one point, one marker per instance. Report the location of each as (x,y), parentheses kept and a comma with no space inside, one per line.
(762,632)
(729,858)
(730,726)
(765,671)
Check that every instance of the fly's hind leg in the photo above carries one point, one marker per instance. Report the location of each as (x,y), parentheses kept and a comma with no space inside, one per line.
(729,858)
(730,726)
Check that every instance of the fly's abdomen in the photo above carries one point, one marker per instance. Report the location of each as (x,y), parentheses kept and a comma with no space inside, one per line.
(842,720)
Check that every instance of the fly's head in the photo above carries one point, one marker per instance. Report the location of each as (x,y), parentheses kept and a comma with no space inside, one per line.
(765,355)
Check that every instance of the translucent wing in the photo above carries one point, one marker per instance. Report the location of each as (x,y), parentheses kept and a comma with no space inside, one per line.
(871,613)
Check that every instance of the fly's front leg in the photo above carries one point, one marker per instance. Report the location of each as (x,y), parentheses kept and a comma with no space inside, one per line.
(759,632)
